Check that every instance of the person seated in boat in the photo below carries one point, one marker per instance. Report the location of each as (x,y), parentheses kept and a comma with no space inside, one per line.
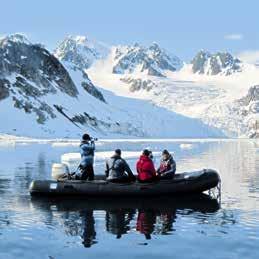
(167,166)
(87,148)
(118,170)
(145,168)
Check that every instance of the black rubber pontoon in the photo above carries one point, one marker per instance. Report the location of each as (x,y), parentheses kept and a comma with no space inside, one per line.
(185,183)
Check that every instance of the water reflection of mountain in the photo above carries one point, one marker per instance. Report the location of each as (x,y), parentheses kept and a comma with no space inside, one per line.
(147,217)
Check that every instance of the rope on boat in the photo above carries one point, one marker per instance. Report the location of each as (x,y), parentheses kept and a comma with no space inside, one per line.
(215,192)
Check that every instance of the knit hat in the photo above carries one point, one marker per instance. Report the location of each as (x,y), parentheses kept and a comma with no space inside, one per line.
(86,137)
(165,152)
(117,151)
(146,152)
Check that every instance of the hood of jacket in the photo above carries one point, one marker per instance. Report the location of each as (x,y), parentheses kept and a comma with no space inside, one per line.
(115,157)
(145,158)
(168,159)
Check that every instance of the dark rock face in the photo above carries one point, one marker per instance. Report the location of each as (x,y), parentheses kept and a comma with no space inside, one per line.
(91,89)
(28,72)
(78,54)
(139,84)
(252,96)
(248,108)
(214,64)
(4,86)
(199,61)
(86,83)
(35,64)
(68,51)
(153,59)
(104,126)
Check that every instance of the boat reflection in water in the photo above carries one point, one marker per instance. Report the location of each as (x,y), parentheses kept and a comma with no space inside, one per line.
(146,216)
(148,219)
(118,221)
(146,222)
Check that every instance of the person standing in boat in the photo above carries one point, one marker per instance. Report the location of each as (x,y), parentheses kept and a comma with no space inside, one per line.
(145,168)
(118,170)
(87,148)
(167,166)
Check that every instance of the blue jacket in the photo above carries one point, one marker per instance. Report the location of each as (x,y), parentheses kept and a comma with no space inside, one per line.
(87,149)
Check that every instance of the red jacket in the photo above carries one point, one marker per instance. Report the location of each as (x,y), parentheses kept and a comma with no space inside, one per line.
(145,168)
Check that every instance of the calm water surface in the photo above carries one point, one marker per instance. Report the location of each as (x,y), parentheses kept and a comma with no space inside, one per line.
(157,228)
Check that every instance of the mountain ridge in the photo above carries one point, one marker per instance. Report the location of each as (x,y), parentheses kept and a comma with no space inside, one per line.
(42,96)
(213,64)
(73,86)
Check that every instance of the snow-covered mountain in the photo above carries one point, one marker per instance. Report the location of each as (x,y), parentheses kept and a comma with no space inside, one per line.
(152,60)
(34,85)
(208,89)
(80,51)
(222,63)
(137,84)
(210,94)
(123,91)
(41,96)
(249,110)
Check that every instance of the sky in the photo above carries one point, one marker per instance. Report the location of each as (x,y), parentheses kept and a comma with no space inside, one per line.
(182,27)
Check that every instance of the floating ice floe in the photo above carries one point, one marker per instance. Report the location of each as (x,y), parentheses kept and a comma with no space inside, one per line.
(72,159)
(65,144)
(186,146)
(100,156)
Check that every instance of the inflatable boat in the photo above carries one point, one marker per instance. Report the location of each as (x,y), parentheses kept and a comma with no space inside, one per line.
(184,183)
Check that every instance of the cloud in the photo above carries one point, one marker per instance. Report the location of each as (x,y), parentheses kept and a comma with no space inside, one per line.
(249,56)
(234,36)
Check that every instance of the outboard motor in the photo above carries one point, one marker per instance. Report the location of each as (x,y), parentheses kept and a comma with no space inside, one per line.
(59,171)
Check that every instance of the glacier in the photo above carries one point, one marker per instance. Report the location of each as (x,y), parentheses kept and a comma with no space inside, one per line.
(123,91)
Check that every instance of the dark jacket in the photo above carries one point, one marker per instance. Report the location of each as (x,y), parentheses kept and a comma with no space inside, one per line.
(145,168)
(167,166)
(117,168)
(87,149)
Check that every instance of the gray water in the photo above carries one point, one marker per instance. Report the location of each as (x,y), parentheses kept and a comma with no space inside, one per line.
(133,229)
